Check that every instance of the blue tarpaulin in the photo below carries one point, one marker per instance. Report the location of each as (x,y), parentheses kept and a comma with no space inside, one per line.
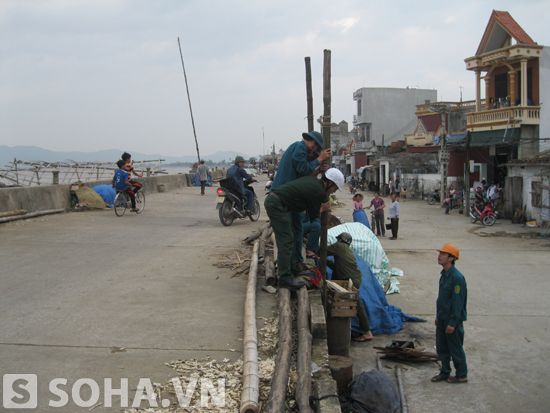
(107,192)
(195,181)
(361,217)
(383,318)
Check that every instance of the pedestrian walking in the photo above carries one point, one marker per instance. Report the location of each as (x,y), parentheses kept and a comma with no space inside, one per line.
(394,216)
(202,170)
(397,187)
(451,313)
(379,206)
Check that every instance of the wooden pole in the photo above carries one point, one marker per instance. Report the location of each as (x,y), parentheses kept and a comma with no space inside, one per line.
(467,179)
(256,234)
(309,95)
(189,99)
(270,277)
(401,387)
(31,215)
(11,213)
(251,380)
(276,400)
(303,387)
(326,145)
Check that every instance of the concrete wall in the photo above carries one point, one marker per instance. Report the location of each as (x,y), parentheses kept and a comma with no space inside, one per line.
(391,111)
(530,174)
(420,186)
(45,197)
(544,89)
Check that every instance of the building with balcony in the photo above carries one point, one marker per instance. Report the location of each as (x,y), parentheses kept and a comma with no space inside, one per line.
(516,75)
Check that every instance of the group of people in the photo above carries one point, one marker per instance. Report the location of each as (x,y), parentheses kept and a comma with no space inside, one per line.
(379,205)
(122,179)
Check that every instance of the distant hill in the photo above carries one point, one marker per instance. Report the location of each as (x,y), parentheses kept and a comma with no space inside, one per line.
(35,153)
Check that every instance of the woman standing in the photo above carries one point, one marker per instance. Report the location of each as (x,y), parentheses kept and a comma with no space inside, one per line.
(394,217)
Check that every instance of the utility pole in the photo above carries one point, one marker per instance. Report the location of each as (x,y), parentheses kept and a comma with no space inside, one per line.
(326,144)
(309,95)
(263,136)
(467,177)
(443,154)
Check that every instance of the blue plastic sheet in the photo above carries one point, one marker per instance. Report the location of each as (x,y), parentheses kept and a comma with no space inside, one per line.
(107,192)
(195,181)
(361,217)
(383,318)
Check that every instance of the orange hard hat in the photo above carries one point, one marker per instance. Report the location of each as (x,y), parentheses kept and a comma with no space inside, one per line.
(450,249)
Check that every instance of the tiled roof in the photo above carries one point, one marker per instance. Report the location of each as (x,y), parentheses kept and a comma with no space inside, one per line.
(507,22)
(512,27)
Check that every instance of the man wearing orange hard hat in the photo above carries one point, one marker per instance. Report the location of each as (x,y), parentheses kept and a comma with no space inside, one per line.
(451,313)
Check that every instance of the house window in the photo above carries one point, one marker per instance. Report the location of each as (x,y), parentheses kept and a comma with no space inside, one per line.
(358,107)
(536,193)
(427,101)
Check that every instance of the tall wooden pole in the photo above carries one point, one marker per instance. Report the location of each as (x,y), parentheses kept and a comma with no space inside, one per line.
(309,95)
(467,178)
(326,145)
(189,99)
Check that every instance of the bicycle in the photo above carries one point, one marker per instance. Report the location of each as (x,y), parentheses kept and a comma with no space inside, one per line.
(122,202)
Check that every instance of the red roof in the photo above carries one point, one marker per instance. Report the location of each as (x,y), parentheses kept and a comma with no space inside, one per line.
(507,22)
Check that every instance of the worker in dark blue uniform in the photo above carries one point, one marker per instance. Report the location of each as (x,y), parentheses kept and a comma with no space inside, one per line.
(302,158)
(451,313)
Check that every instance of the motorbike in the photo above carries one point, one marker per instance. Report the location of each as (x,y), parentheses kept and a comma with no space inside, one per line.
(270,174)
(484,213)
(231,205)
(433,198)
(352,187)
(362,185)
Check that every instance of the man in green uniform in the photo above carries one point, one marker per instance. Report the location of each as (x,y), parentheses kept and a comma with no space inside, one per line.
(344,268)
(303,194)
(451,312)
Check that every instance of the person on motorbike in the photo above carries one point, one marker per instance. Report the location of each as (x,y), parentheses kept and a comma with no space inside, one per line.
(303,194)
(238,173)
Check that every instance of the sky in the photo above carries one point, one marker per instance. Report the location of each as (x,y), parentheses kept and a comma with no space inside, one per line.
(88,75)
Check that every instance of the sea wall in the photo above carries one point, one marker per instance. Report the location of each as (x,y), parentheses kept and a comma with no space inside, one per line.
(45,197)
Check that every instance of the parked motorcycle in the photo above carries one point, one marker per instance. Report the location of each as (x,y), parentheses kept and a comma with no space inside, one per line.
(270,175)
(231,205)
(433,198)
(484,213)
(352,188)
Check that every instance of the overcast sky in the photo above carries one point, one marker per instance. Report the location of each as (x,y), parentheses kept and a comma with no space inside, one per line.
(104,74)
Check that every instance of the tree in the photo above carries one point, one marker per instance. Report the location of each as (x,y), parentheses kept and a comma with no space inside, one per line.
(252,160)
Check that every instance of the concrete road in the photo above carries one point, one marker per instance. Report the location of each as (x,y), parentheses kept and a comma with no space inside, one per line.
(506,335)
(75,287)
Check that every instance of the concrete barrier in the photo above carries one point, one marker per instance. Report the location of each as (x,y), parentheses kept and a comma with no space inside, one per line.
(45,197)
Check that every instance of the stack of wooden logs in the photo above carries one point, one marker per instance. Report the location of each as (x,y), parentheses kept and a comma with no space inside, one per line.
(277,395)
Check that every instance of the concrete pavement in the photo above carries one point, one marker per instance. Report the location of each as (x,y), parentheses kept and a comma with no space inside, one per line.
(73,286)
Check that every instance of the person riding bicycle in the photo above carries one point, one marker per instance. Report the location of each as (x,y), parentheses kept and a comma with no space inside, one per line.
(128,167)
(121,182)
(238,173)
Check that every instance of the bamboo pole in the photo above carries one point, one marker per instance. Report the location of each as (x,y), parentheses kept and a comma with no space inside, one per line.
(270,277)
(31,215)
(276,400)
(251,379)
(11,213)
(303,387)
(401,387)
(256,234)
(275,249)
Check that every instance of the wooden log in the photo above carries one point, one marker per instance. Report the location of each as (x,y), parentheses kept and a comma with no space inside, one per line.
(31,215)
(270,277)
(275,249)
(276,400)
(401,387)
(303,387)
(341,369)
(251,379)
(11,213)
(261,251)
(256,234)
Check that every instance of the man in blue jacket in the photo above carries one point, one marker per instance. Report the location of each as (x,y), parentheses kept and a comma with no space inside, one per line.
(302,158)
(451,313)
(238,173)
